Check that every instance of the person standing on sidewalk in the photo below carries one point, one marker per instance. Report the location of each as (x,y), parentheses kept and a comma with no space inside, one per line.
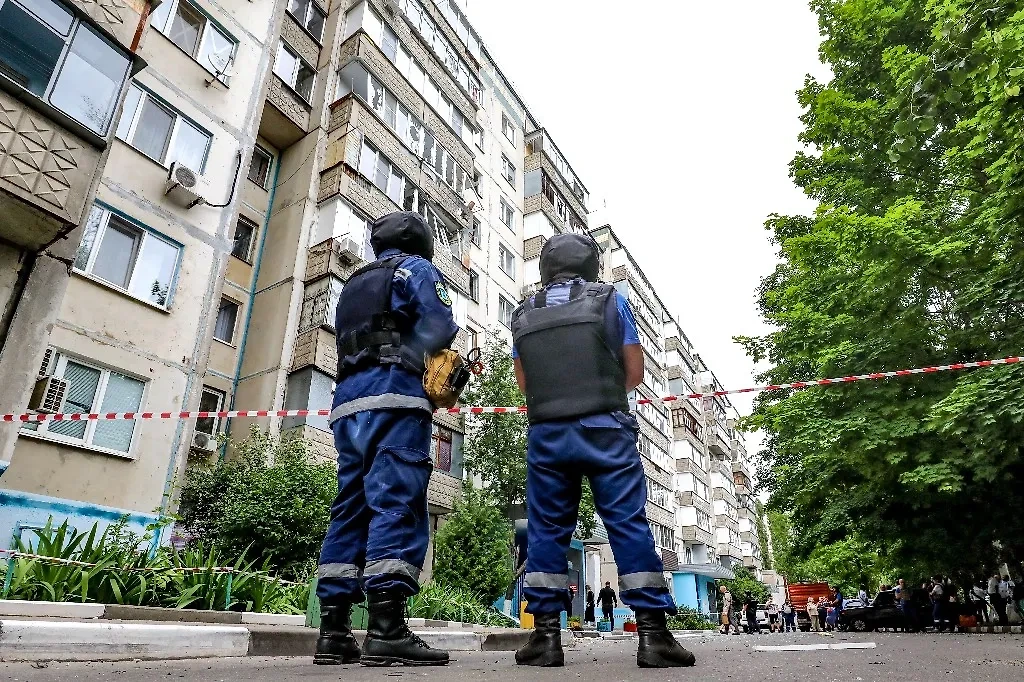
(392,314)
(577,357)
(588,614)
(608,603)
(812,613)
(728,617)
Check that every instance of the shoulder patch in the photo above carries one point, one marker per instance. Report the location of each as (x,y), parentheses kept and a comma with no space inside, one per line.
(442,293)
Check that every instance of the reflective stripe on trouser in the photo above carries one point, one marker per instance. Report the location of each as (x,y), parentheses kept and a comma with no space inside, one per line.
(379,526)
(603,448)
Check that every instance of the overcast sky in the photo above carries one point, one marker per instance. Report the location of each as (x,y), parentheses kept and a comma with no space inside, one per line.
(683,120)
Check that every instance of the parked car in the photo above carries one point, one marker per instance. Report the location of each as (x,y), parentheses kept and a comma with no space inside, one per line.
(882,612)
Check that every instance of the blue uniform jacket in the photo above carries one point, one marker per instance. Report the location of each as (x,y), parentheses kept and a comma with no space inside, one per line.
(416,295)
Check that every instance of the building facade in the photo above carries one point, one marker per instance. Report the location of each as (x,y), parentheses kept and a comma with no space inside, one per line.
(213,206)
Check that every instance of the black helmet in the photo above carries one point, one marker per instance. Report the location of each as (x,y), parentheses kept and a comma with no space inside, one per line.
(405,231)
(567,256)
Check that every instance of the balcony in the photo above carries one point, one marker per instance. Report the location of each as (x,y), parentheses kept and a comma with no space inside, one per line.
(333,257)
(687,498)
(725,521)
(541,152)
(695,535)
(729,550)
(442,492)
(723,494)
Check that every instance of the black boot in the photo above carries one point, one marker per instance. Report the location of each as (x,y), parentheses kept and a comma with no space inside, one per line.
(389,639)
(658,648)
(336,644)
(545,646)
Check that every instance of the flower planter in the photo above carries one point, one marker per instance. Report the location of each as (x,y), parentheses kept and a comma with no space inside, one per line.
(629,627)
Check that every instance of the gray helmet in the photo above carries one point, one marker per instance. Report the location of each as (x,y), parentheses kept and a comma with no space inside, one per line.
(405,231)
(567,256)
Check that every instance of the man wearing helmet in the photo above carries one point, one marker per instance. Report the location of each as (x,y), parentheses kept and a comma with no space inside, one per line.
(578,356)
(391,314)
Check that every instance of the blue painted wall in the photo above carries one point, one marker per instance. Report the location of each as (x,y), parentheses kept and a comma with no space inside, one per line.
(684,589)
(21,510)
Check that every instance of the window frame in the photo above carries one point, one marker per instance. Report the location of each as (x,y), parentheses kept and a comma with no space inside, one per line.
(216,421)
(43,431)
(234,327)
(210,22)
(179,118)
(258,151)
(299,63)
(504,251)
(507,129)
(76,25)
(505,207)
(508,170)
(147,234)
(476,234)
(474,285)
(311,5)
(252,238)
(504,303)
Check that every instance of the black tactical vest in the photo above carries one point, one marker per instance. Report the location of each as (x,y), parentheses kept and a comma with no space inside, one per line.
(572,369)
(368,334)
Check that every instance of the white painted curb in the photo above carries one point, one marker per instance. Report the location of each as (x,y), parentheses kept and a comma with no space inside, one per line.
(817,647)
(50,609)
(272,619)
(68,641)
(455,640)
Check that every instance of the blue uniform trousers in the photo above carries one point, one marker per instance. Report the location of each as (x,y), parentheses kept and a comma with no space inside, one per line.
(601,447)
(379,526)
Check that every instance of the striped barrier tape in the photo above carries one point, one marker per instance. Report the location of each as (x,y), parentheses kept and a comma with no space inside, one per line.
(14,554)
(231,414)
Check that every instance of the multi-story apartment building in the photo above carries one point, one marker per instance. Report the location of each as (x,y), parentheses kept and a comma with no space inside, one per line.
(205,216)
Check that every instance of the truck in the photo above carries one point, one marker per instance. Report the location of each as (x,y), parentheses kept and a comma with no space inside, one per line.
(798,594)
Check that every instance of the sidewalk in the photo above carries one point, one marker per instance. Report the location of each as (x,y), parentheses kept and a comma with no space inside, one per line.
(44,631)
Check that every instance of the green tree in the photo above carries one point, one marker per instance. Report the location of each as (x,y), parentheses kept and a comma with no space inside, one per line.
(269,497)
(495,445)
(745,581)
(782,542)
(913,258)
(472,550)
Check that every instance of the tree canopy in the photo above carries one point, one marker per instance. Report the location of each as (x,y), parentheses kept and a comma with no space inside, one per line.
(913,258)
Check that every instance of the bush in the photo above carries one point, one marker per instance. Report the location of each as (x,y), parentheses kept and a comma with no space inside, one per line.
(438,601)
(269,500)
(689,619)
(746,582)
(125,572)
(472,550)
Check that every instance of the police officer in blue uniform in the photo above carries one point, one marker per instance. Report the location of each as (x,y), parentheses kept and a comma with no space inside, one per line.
(392,313)
(577,359)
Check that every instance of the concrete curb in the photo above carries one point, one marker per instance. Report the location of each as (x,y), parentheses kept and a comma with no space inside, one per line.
(98,640)
(997,630)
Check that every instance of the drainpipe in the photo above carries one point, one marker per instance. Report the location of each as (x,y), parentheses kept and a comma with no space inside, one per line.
(252,300)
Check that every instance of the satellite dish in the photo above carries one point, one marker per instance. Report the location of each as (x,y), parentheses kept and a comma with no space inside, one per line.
(221,62)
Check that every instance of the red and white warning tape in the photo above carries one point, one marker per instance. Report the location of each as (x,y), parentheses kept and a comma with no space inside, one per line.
(231,414)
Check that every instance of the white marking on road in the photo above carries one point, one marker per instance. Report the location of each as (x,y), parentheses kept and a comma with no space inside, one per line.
(817,647)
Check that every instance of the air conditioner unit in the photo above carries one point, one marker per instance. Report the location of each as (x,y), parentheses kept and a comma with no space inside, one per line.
(203,442)
(48,395)
(348,250)
(49,360)
(184,186)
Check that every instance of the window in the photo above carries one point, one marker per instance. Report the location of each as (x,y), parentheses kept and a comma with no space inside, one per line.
(226,318)
(211,400)
(663,537)
(703,520)
(161,133)
(477,231)
(387,177)
(505,310)
(474,339)
(189,28)
(128,257)
(93,389)
(506,261)
(309,15)
(61,60)
(508,171)
(659,494)
(507,129)
(259,166)
(474,285)
(245,230)
(441,448)
(507,213)
(421,20)
(291,68)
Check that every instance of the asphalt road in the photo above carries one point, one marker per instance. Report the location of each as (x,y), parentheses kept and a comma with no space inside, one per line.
(906,658)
